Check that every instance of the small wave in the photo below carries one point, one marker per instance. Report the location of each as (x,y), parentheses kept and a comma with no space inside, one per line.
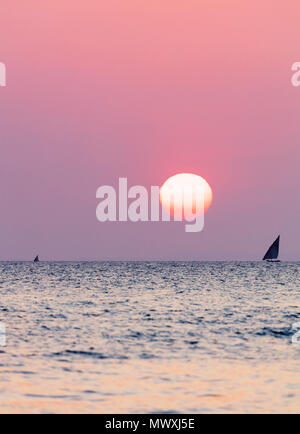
(292,315)
(87,354)
(266,331)
(147,356)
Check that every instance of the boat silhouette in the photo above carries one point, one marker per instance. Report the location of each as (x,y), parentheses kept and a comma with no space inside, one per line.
(273,252)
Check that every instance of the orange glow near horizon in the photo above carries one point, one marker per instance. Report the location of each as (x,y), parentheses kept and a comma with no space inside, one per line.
(181,196)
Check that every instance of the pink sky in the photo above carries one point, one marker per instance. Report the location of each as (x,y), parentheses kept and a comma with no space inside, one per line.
(98,90)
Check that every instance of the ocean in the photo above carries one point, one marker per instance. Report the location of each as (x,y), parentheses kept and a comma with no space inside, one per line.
(149,337)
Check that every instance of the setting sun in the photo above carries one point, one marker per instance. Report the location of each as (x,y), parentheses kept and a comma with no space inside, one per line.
(186,195)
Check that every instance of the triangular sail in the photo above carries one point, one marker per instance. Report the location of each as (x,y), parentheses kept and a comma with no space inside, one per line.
(36,259)
(273,251)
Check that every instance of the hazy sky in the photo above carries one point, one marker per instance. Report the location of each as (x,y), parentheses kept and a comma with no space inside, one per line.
(98,90)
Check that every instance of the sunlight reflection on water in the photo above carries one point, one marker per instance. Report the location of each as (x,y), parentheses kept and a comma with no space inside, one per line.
(149,337)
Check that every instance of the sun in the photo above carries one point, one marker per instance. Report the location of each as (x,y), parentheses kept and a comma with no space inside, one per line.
(186,196)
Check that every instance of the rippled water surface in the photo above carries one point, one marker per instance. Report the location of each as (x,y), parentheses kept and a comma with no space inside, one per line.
(149,337)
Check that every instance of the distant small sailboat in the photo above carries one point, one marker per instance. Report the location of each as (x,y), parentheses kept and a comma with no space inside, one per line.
(273,252)
(36,259)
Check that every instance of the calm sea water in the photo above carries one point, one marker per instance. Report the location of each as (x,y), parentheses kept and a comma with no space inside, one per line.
(149,337)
